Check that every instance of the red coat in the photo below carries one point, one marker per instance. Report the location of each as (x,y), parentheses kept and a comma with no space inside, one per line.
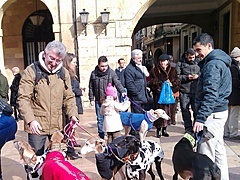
(55,167)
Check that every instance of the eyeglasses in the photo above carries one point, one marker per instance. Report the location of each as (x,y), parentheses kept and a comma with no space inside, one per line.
(52,59)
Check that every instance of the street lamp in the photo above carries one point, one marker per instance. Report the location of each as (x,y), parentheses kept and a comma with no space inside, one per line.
(105,19)
(84,20)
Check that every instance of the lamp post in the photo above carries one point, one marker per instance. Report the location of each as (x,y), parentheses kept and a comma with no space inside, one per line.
(84,20)
(105,19)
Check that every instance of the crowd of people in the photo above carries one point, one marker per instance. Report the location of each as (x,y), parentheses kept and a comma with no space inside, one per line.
(205,80)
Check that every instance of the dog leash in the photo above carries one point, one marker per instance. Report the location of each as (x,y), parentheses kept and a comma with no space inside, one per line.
(119,159)
(137,105)
(69,131)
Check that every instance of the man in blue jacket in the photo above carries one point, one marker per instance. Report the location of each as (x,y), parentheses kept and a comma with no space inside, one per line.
(214,87)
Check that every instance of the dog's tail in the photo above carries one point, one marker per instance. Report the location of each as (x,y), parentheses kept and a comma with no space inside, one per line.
(216,173)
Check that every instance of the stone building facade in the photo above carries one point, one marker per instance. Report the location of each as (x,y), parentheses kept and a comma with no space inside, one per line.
(124,16)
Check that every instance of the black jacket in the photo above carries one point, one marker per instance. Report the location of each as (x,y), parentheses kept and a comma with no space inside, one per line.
(183,70)
(120,75)
(214,84)
(98,83)
(14,89)
(135,82)
(78,93)
(234,99)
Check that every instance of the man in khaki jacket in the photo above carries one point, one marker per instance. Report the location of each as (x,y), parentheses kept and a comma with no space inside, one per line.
(40,103)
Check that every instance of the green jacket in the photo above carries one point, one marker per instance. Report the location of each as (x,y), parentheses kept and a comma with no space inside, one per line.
(4,87)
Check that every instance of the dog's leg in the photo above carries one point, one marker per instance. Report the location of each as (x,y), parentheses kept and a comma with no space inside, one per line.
(142,175)
(151,172)
(175,176)
(143,131)
(127,130)
(123,177)
(159,169)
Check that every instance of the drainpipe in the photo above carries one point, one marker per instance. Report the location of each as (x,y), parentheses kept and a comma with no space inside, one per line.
(75,36)
(59,21)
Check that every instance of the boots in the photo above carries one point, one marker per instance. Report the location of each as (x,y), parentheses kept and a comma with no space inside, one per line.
(164,132)
(158,132)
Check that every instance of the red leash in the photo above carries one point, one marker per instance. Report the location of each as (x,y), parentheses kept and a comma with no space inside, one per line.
(69,132)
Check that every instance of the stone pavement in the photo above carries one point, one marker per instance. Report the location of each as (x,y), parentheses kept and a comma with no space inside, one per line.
(12,166)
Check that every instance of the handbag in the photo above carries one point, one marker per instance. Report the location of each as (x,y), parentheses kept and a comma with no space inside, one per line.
(166,95)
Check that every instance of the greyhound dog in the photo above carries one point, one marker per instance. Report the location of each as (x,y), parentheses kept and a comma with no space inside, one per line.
(141,122)
(52,165)
(108,157)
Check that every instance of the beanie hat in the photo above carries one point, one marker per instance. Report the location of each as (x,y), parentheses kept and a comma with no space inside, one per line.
(111,91)
(235,52)
(163,57)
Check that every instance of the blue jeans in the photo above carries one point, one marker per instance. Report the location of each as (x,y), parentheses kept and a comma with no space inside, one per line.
(100,118)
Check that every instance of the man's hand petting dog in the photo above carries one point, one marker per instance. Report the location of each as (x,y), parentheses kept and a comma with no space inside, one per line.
(35,127)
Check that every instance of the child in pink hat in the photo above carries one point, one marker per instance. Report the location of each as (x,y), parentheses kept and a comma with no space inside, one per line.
(110,108)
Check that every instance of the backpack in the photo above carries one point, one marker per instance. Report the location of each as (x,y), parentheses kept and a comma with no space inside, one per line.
(39,74)
(5,108)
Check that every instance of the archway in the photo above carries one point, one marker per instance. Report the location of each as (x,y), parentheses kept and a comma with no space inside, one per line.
(37,32)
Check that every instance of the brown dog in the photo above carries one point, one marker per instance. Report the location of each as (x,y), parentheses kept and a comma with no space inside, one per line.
(108,164)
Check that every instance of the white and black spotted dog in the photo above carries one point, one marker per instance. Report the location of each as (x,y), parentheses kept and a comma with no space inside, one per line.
(140,158)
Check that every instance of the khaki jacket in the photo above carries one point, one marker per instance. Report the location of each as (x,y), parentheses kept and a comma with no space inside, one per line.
(45,105)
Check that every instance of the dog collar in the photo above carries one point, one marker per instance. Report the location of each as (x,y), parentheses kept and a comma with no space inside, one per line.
(131,157)
(190,139)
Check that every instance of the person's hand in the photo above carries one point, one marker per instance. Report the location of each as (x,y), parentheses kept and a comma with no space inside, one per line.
(35,127)
(190,77)
(124,94)
(198,127)
(92,103)
(74,118)
(195,76)
(83,89)
(169,82)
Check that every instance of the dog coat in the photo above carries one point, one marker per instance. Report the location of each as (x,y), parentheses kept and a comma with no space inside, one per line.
(106,161)
(56,167)
(134,119)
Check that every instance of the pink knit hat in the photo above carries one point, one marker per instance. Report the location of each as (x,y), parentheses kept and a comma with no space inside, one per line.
(111,91)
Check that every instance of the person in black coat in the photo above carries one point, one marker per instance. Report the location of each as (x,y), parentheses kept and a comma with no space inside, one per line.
(14,91)
(120,73)
(135,82)
(188,73)
(231,126)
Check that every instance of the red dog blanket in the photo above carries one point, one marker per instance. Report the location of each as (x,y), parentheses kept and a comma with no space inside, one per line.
(55,167)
